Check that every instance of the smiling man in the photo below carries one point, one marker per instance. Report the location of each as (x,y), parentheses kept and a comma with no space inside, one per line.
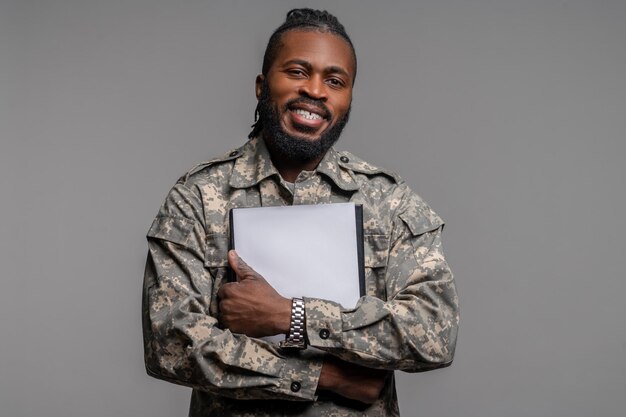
(308,104)
(202,331)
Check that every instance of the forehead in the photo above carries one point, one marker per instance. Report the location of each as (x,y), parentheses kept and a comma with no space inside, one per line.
(323,49)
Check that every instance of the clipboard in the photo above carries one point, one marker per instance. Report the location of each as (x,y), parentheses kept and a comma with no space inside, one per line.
(304,250)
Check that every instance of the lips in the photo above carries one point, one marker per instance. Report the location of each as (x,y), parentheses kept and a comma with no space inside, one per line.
(307,115)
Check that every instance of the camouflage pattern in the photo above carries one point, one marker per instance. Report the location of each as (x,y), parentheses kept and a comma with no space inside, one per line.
(407,321)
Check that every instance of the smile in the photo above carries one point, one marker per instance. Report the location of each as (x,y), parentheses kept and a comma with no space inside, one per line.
(308,115)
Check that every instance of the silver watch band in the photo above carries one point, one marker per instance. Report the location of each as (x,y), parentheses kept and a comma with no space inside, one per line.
(296,337)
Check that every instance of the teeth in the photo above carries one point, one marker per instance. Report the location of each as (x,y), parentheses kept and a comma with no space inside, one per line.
(308,115)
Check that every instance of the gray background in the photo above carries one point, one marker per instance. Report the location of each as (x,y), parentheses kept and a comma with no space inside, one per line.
(508,117)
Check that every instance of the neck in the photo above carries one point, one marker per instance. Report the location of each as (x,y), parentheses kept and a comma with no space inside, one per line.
(289,170)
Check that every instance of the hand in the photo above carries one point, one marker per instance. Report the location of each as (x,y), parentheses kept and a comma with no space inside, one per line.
(352,381)
(252,306)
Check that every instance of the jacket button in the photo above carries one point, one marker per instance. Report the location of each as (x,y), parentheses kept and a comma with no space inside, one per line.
(295,386)
(233,153)
(344,159)
(324,334)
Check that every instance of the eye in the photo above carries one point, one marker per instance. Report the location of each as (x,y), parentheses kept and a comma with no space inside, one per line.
(335,82)
(296,72)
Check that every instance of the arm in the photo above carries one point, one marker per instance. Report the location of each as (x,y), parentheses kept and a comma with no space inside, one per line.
(352,381)
(251,306)
(415,328)
(414,331)
(183,342)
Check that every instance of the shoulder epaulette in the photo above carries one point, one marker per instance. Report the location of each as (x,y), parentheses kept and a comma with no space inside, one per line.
(228,156)
(354,163)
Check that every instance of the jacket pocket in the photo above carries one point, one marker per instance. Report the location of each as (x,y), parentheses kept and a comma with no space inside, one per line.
(171,229)
(376,251)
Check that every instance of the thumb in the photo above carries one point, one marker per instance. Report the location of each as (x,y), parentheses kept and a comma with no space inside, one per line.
(241,269)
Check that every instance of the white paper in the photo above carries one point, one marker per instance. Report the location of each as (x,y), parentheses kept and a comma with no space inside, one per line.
(302,251)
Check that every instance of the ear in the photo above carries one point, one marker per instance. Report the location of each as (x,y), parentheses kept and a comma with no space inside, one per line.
(258,85)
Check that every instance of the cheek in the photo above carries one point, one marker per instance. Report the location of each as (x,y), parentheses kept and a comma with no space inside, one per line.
(343,104)
(281,92)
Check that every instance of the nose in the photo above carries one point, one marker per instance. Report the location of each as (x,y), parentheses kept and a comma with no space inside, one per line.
(314,87)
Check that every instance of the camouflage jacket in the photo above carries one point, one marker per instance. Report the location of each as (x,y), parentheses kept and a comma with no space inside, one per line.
(407,320)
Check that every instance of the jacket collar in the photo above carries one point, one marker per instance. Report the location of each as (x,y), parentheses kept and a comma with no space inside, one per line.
(338,171)
(254,165)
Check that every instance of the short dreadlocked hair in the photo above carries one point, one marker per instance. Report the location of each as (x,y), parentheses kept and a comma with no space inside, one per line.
(304,20)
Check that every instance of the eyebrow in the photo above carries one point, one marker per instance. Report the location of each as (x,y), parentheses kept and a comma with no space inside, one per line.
(333,69)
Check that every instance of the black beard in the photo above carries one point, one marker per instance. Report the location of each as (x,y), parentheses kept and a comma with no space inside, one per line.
(295,148)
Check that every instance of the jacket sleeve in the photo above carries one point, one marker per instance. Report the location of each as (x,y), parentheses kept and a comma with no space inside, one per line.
(415,328)
(183,342)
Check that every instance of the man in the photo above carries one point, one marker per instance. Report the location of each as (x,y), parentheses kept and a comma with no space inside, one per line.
(202,331)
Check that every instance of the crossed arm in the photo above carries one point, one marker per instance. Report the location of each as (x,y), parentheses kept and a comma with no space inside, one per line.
(252,307)
(186,345)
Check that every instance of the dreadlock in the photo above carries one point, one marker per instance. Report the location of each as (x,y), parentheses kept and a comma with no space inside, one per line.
(305,20)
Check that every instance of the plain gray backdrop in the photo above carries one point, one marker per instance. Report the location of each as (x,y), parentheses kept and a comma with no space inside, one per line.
(508,117)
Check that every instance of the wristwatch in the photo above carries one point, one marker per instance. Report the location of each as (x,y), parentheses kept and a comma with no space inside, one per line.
(296,336)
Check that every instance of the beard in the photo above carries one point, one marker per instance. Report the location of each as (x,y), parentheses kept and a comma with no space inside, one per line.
(291,147)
